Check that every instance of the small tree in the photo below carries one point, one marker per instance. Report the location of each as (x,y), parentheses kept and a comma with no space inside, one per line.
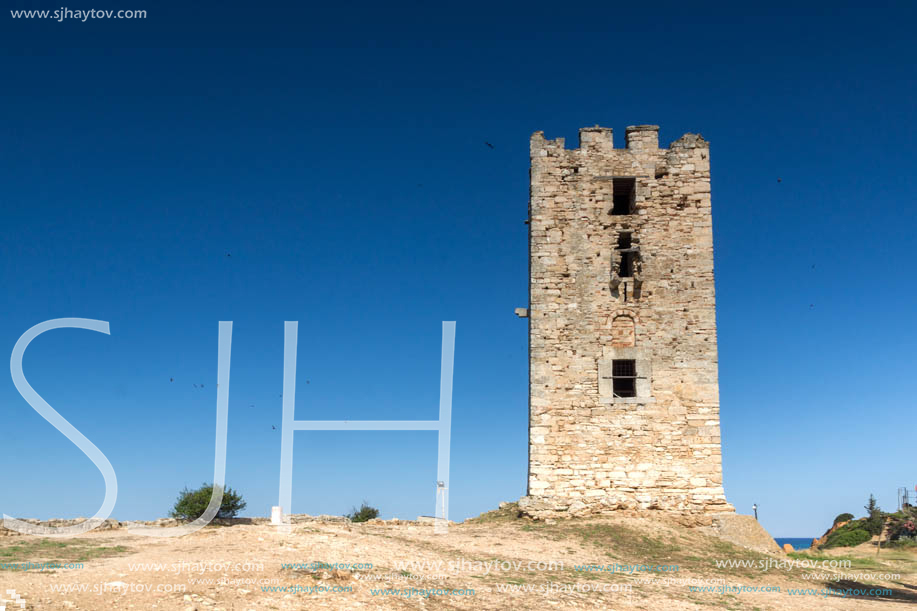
(875,518)
(844,517)
(191,504)
(365,513)
(871,505)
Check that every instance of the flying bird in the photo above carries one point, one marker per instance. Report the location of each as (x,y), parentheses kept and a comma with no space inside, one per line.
(273,427)
(489,144)
(779,180)
(171,379)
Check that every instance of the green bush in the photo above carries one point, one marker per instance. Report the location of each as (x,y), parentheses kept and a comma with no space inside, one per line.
(902,526)
(848,535)
(363,514)
(844,517)
(191,504)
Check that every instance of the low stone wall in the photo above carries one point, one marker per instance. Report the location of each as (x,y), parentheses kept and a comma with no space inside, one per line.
(112,524)
(544,507)
(299,518)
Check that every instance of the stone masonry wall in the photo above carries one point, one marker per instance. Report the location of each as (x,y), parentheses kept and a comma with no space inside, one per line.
(590,450)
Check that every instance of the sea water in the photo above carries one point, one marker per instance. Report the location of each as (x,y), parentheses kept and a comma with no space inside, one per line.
(796,542)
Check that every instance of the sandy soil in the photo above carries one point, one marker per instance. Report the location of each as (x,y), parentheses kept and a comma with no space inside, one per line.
(242,567)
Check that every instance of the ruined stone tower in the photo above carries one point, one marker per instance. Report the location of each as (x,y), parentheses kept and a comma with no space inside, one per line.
(624,401)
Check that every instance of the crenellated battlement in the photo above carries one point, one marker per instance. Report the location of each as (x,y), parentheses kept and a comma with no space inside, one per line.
(637,138)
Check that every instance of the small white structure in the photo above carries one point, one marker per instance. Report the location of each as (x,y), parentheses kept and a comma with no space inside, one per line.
(277,515)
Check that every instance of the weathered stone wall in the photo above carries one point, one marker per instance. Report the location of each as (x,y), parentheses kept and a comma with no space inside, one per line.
(590,450)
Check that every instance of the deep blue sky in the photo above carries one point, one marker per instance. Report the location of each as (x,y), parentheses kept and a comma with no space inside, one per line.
(338,153)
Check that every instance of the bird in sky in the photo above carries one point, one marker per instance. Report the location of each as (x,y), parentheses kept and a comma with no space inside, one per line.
(489,144)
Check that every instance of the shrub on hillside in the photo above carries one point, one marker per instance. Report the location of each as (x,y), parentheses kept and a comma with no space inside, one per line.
(902,526)
(844,517)
(363,514)
(848,535)
(191,504)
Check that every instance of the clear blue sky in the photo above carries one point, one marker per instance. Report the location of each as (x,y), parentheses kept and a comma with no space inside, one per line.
(338,153)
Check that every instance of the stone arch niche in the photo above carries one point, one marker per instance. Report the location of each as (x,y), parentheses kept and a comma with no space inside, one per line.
(623,330)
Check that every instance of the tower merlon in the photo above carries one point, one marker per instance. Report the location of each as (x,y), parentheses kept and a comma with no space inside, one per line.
(539,146)
(688,154)
(690,141)
(596,138)
(642,137)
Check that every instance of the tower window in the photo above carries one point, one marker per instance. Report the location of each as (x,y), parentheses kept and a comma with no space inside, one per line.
(628,256)
(623,197)
(624,377)
(626,268)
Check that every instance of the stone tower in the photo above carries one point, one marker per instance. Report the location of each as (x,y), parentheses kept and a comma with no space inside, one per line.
(623,393)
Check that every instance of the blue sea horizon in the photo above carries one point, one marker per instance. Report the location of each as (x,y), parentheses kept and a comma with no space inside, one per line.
(796,542)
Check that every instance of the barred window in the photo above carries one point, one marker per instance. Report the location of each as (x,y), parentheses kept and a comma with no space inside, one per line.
(624,377)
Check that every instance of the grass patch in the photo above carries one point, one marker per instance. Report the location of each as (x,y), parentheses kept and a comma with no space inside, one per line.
(507,513)
(65,551)
(897,555)
(632,546)
(855,562)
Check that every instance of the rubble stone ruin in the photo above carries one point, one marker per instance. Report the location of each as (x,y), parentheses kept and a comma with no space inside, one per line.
(623,392)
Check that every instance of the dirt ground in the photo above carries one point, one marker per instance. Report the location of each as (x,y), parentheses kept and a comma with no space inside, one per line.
(493,562)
